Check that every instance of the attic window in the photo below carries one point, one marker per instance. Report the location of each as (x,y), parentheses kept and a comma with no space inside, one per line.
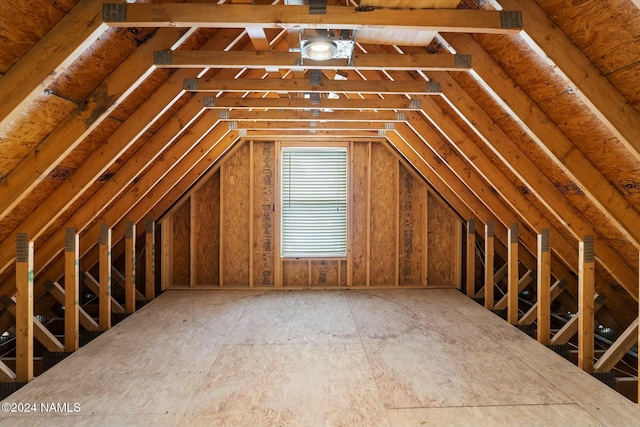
(314,202)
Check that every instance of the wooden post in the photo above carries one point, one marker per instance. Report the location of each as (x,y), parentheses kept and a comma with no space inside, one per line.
(150,263)
(544,287)
(71,290)
(24,308)
(105,278)
(130,268)
(488,265)
(586,268)
(512,275)
(471,258)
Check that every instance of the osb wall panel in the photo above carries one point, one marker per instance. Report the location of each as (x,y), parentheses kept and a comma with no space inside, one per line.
(207,232)
(442,243)
(295,273)
(235,218)
(264,199)
(411,202)
(384,181)
(324,273)
(181,244)
(359,196)
(398,200)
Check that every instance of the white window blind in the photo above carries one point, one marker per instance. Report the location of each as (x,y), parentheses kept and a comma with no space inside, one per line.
(314,202)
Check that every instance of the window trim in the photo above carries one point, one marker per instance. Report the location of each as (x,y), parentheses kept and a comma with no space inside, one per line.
(284,147)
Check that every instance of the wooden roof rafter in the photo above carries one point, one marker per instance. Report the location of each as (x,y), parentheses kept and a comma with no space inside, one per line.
(572,65)
(547,193)
(121,140)
(86,117)
(61,46)
(559,147)
(281,16)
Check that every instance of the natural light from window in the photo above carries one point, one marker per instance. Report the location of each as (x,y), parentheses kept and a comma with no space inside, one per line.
(314,202)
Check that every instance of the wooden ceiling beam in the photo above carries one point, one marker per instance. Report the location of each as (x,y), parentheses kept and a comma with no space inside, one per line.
(304,85)
(259,39)
(560,149)
(82,121)
(291,60)
(414,4)
(594,89)
(538,183)
(44,62)
(287,16)
(319,125)
(225,102)
(308,116)
(314,134)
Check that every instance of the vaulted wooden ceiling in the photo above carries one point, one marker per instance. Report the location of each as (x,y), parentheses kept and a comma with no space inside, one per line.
(516,111)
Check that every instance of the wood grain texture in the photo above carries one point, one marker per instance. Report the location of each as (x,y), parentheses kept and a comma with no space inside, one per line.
(350,358)
(384,201)
(182,245)
(413,193)
(295,273)
(207,231)
(442,226)
(359,196)
(264,218)
(235,241)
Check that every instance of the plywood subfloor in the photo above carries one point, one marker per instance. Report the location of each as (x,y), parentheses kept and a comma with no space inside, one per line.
(306,358)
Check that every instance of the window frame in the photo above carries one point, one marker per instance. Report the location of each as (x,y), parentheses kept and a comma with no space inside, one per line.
(284,147)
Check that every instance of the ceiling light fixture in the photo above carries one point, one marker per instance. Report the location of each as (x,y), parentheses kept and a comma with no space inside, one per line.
(322,45)
(320,49)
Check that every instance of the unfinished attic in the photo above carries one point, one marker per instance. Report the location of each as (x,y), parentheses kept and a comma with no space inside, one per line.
(319,212)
